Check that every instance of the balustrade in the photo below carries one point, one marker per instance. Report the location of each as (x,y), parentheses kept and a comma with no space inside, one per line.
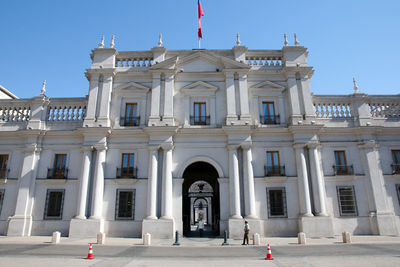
(16,111)
(67,111)
(384,107)
(134,60)
(332,107)
(264,61)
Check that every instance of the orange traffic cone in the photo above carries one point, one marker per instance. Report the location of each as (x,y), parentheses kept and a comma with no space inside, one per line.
(269,254)
(90,254)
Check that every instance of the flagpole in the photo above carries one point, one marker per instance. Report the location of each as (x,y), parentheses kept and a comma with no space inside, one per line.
(199,43)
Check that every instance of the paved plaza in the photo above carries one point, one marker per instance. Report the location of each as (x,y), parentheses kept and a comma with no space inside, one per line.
(39,251)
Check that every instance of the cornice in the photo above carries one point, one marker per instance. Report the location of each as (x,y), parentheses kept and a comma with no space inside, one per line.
(161,130)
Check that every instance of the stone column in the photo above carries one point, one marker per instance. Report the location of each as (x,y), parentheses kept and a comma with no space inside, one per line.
(234,185)
(83,183)
(244,98)
(98,185)
(230,98)
(166,205)
(302,179)
(152,184)
(21,223)
(168,117)
(385,219)
(249,196)
(317,180)
(155,100)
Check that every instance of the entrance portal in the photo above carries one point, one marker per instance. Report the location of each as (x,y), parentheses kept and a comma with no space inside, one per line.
(200,200)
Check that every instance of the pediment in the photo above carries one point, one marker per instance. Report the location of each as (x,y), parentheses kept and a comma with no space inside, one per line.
(200,61)
(137,87)
(199,86)
(268,85)
(168,64)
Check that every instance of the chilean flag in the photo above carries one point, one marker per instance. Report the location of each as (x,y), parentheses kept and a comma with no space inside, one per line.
(201,13)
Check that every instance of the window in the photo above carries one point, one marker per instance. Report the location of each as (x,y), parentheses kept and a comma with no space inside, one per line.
(125,205)
(398,192)
(199,114)
(59,171)
(273,165)
(54,204)
(396,161)
(131,118)
(347,201)
(341,167)
(276,202)
(268,113)
(1,198)
(3,166)
(128,169)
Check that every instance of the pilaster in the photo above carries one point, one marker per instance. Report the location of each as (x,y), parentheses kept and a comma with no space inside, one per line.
(317,179)
(168,118)
(385,219)
(152,184)
(245,116)
(98,185)
(234,184)
(103,119)
(154,119)
(20,224)
(230,99)
(302,180)
(166,204)
(248,177)
(293,97)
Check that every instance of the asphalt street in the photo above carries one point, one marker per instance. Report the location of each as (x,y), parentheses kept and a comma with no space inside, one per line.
(293,255)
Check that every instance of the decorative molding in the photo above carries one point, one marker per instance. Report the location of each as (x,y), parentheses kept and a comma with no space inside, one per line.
(139,87)
(199,87)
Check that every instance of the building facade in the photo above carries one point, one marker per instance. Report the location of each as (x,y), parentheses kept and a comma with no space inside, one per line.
(167,138)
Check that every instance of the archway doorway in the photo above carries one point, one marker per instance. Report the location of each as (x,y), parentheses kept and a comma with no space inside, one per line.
(200,200)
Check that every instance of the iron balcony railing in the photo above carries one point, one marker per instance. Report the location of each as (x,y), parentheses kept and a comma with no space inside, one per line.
(57,173)
(395,168)
(199,120)
(4,173)
(130,121)
(274,170)
(127,172)
(343,169)
(270,119)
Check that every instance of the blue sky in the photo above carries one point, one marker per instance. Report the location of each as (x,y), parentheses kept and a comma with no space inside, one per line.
(52,40)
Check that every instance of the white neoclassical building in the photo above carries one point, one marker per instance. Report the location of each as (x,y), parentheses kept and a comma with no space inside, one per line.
(165,139)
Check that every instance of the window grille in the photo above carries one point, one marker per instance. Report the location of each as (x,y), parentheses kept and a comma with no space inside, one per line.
(276,199)
(125,204)
(1,198)
(54,204)
(347,201)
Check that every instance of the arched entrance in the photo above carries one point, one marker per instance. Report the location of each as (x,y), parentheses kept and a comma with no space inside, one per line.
(200,199)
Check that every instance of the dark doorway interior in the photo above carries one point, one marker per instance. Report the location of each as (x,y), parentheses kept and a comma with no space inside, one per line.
(200,200)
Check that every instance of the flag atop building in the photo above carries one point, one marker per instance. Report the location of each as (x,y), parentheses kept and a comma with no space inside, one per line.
(200,13)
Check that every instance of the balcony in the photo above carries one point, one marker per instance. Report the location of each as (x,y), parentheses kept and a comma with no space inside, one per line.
(343,169)
(57,173)
(199,120)
(4,173)
(395,168)
(127,173)
(270,119)
(130,121)
(274,170)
